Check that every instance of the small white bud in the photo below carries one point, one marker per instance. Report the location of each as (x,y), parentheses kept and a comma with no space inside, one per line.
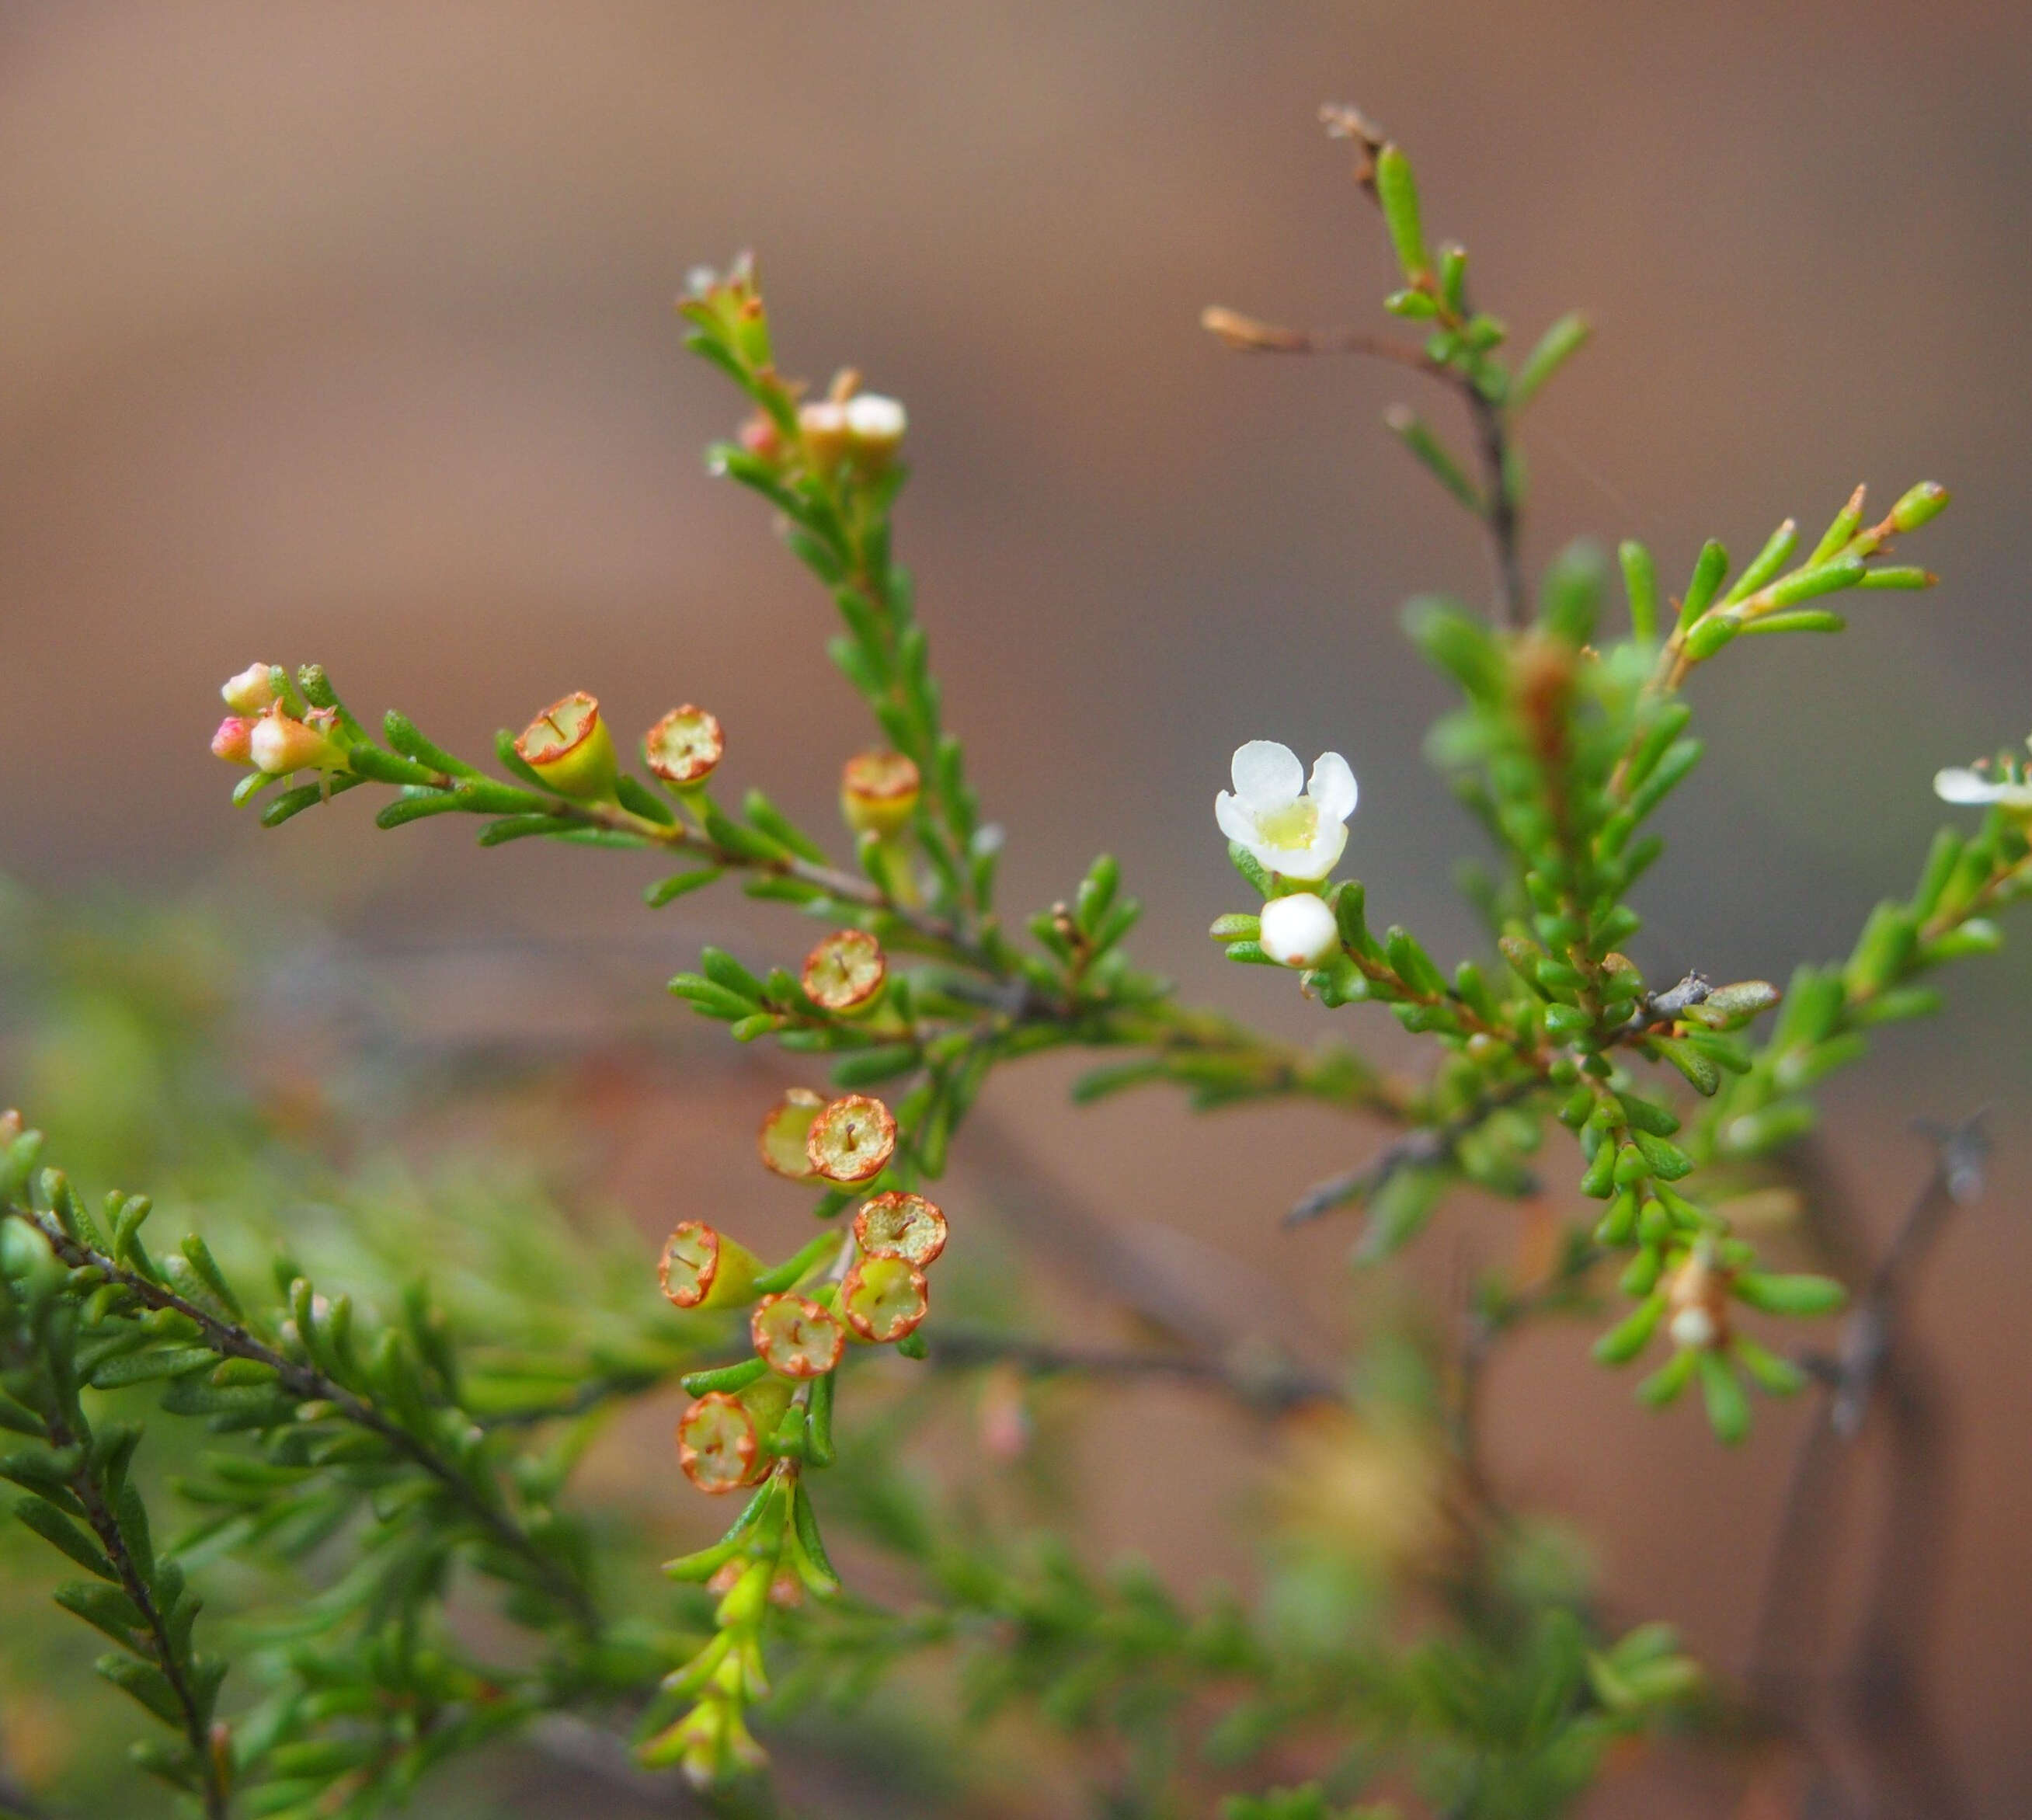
(1693,1328)
(1299,930)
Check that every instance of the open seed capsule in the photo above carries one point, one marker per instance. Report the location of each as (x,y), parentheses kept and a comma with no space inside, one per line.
(884,1298)
(567,746)
(684,745)
(718,1444)
(702,1268)
(904,1226)
(851,1140)
(796,1336)
(844,972)
(877,792)
(784,1130)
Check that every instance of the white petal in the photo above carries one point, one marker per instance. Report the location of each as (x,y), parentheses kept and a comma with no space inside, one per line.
(1268,775)
(1959,784)
(1332,788)
(1299,930)
(1235,821)
(1318,859)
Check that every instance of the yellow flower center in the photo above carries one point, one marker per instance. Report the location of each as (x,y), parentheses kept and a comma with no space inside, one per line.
(1291,827)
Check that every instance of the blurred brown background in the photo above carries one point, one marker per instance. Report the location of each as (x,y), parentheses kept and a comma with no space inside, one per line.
(345,333)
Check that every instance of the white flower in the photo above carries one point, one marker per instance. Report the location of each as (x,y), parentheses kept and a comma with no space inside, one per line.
(1289,826)
(1298,931)
(1962,784)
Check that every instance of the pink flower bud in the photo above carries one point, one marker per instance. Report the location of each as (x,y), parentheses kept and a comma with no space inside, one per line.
(279,745)
(251,690)
(234,740)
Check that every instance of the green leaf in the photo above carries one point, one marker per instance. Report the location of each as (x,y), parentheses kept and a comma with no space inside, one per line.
(1416,435)
(407,808)
(105,1607)
(665,890)
(61,1534)
(1803,1294)
(1711,565)
(1728,1409)
(1559,344)
(1397,191)
(144,1683)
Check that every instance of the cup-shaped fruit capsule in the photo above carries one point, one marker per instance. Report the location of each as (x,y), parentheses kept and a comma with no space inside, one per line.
(684,745)
(720,1443)
(851,1139)
(904,1226)
(877,792)
(701,1268)
(844,972)
(884,1298)
(823,423)
(797,1337)
(568,746)
(874,427)
(784,1130)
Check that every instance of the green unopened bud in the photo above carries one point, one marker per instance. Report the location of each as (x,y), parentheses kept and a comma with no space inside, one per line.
(568,747)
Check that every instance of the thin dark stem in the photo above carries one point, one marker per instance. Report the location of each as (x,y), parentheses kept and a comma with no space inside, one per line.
(1499,506)
(85,1487)
(309,1384)
(1875,1367)
(1423,1149)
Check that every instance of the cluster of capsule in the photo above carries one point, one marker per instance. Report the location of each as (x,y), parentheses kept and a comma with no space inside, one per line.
(866,1286)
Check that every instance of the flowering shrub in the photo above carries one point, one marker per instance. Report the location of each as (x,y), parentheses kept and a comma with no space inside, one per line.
(1499,1697)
